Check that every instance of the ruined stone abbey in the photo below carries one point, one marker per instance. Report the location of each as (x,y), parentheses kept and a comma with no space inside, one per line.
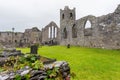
(89,31)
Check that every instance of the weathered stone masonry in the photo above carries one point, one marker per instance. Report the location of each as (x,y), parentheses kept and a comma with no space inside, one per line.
(104,31)
(50,34)
(30,36)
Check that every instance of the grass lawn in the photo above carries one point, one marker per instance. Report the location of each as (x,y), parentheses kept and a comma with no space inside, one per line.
(86,63)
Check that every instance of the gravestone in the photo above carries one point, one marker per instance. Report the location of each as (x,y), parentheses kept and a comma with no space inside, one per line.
(34,49)
(68,46)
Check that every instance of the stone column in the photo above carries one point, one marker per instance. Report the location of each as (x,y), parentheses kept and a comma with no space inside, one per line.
(50,32)
(54,32)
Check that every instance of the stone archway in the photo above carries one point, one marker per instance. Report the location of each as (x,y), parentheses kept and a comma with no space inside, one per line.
(88,24)
(64,33)
(74,31)
(52,32)
(88,28)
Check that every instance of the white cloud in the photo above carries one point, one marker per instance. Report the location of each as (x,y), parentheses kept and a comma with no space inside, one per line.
(23,14)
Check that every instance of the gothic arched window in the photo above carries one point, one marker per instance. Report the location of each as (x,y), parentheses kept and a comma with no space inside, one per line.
(74,31)
(87,24)
(87,28)
(63,16)
(71,15)
(15,41)
(64,33)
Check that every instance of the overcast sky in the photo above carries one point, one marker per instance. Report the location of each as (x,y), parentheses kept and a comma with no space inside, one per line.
(22,14)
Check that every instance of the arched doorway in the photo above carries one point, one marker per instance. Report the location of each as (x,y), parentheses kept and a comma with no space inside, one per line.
(64,33)
(74,31)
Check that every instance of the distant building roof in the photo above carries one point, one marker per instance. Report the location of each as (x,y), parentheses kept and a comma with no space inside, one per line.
(34,29)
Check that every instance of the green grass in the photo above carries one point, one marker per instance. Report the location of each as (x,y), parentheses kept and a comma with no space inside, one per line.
(86,63)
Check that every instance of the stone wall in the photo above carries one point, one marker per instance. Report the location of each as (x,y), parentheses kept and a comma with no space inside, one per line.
(30,36)
(10,38)
(104,31)
(50,34)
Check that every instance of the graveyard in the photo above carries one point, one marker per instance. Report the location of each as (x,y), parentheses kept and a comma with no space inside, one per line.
(85,48)
(85,63)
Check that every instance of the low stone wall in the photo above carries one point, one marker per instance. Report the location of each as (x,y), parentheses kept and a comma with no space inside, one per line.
(52,69)
(62,66)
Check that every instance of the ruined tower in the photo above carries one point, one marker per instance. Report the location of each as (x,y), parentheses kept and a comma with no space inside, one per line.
(67,18)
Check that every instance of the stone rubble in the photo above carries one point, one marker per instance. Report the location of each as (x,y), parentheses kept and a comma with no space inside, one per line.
(62,66)
(38,74)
